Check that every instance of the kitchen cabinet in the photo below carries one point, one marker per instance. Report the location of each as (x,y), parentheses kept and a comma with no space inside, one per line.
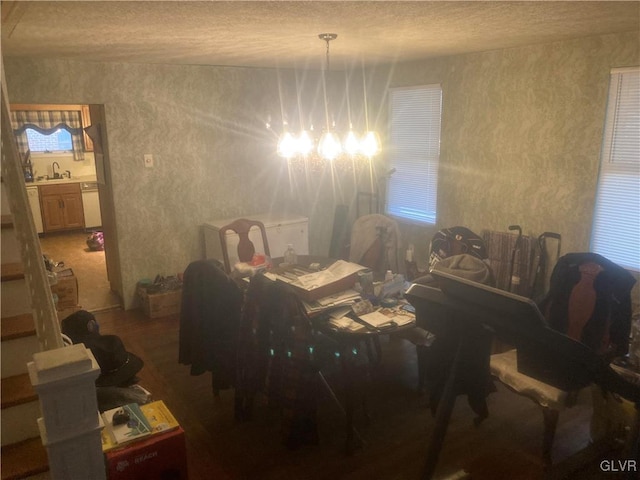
(61,207)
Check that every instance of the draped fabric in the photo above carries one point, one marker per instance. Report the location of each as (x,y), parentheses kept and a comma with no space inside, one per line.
(274,356)
(46,122)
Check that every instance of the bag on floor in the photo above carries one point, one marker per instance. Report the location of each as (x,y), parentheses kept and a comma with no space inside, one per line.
(95,241)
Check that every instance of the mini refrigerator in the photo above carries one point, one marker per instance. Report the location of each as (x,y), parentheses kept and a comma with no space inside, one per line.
(282,229)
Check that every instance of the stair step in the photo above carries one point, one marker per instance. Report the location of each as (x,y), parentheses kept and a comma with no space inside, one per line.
(17,390)
(24,459)
(12,271)
(17,327)
(16,354)
(16,299)
(6,221)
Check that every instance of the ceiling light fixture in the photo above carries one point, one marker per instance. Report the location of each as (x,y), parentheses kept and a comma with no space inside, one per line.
(330,145)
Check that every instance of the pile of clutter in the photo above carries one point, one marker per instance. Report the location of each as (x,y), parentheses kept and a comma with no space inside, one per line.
(117,383)
(161,284)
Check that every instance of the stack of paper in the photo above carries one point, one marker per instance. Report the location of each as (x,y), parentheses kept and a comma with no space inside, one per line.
(388,317)
(335,271)
(346,323)
(377,319)
(331,302)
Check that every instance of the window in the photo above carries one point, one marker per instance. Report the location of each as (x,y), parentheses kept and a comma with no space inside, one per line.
(616,222)
(58,141)
(412,189)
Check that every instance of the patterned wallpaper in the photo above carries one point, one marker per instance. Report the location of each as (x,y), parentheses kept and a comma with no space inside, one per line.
(521,134)
(520,144)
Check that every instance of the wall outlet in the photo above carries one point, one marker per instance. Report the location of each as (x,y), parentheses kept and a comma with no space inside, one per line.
(148,160)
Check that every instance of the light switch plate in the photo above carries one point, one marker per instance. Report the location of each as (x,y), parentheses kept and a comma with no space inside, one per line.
(148,160)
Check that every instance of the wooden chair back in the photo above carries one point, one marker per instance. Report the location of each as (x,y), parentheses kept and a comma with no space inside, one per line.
(246,248)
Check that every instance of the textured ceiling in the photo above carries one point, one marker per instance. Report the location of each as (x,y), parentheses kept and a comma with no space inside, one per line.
(269,34)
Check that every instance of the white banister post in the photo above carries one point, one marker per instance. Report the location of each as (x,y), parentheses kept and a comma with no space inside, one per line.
(70,426)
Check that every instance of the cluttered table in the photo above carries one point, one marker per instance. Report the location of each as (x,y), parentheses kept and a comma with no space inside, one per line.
(345,294)
(343,302)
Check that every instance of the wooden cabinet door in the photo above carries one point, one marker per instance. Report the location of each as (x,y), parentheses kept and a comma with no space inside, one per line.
(73,211)
(61,207)
(52,213)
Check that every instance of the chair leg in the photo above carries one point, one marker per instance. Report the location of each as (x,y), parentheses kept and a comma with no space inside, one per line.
(421,352)
(550,423)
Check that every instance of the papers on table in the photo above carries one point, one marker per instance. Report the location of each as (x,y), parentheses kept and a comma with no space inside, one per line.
(346,323)
(388,317)
(331,302)
(336,271)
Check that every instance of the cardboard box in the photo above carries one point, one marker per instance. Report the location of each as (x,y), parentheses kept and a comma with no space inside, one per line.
(160,304)
(66,289)
(163,455)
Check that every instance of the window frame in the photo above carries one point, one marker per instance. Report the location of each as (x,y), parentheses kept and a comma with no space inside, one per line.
(49,152)
(399,198)
(619,180)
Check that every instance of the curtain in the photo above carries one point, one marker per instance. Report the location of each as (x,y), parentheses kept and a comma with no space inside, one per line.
(47,122)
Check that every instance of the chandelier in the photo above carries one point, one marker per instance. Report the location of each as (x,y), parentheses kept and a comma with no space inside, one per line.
(328,145)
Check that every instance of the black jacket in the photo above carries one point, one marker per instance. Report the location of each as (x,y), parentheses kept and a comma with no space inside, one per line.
(598,297)
(209,321)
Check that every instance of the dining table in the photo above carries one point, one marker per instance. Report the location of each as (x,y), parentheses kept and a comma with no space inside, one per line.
(350,347)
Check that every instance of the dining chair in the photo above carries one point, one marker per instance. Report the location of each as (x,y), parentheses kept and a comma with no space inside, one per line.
(246,249)
(374,243)
(552,358)
(588,301)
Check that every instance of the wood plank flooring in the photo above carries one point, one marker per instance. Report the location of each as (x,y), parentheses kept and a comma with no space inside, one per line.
(505,446)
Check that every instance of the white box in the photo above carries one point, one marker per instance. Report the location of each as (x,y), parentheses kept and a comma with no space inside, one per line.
(282,229)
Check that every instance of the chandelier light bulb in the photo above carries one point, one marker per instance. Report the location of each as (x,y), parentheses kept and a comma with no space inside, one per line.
(351,144)
(305,143)
(286,145)
(329,147)
(370,145)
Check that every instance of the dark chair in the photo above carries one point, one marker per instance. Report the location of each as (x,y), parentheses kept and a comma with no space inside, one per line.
(588,301)
(275,358)
(544,354)
(246,249)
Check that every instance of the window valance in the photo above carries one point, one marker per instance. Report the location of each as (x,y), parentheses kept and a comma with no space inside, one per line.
(47,122)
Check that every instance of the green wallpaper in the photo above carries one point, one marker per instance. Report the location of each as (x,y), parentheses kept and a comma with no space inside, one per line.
(520,144)
(521,134)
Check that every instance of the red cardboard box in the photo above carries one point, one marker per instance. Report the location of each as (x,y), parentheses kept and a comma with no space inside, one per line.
(162,455)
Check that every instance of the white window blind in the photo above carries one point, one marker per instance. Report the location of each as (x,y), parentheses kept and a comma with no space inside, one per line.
(616,224)
(412,190)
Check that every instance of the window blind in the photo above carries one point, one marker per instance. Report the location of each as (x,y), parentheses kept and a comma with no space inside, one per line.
(415,115)
(616,224)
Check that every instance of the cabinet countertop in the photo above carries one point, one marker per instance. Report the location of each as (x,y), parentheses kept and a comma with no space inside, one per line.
(80,179)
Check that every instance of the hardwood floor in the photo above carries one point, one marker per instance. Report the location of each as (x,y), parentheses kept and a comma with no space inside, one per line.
(505,446)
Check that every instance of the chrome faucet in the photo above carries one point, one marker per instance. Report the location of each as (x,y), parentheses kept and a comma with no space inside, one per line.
(53,168)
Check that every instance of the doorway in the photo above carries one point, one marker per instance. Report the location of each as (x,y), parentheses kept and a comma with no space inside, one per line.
(70,250)
(97,271)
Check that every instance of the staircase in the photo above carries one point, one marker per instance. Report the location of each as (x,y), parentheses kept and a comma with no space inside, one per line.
(23,455)
(63,377)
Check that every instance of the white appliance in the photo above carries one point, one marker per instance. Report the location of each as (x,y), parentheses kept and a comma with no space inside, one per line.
(91,204)
(282,229)
(34,202)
